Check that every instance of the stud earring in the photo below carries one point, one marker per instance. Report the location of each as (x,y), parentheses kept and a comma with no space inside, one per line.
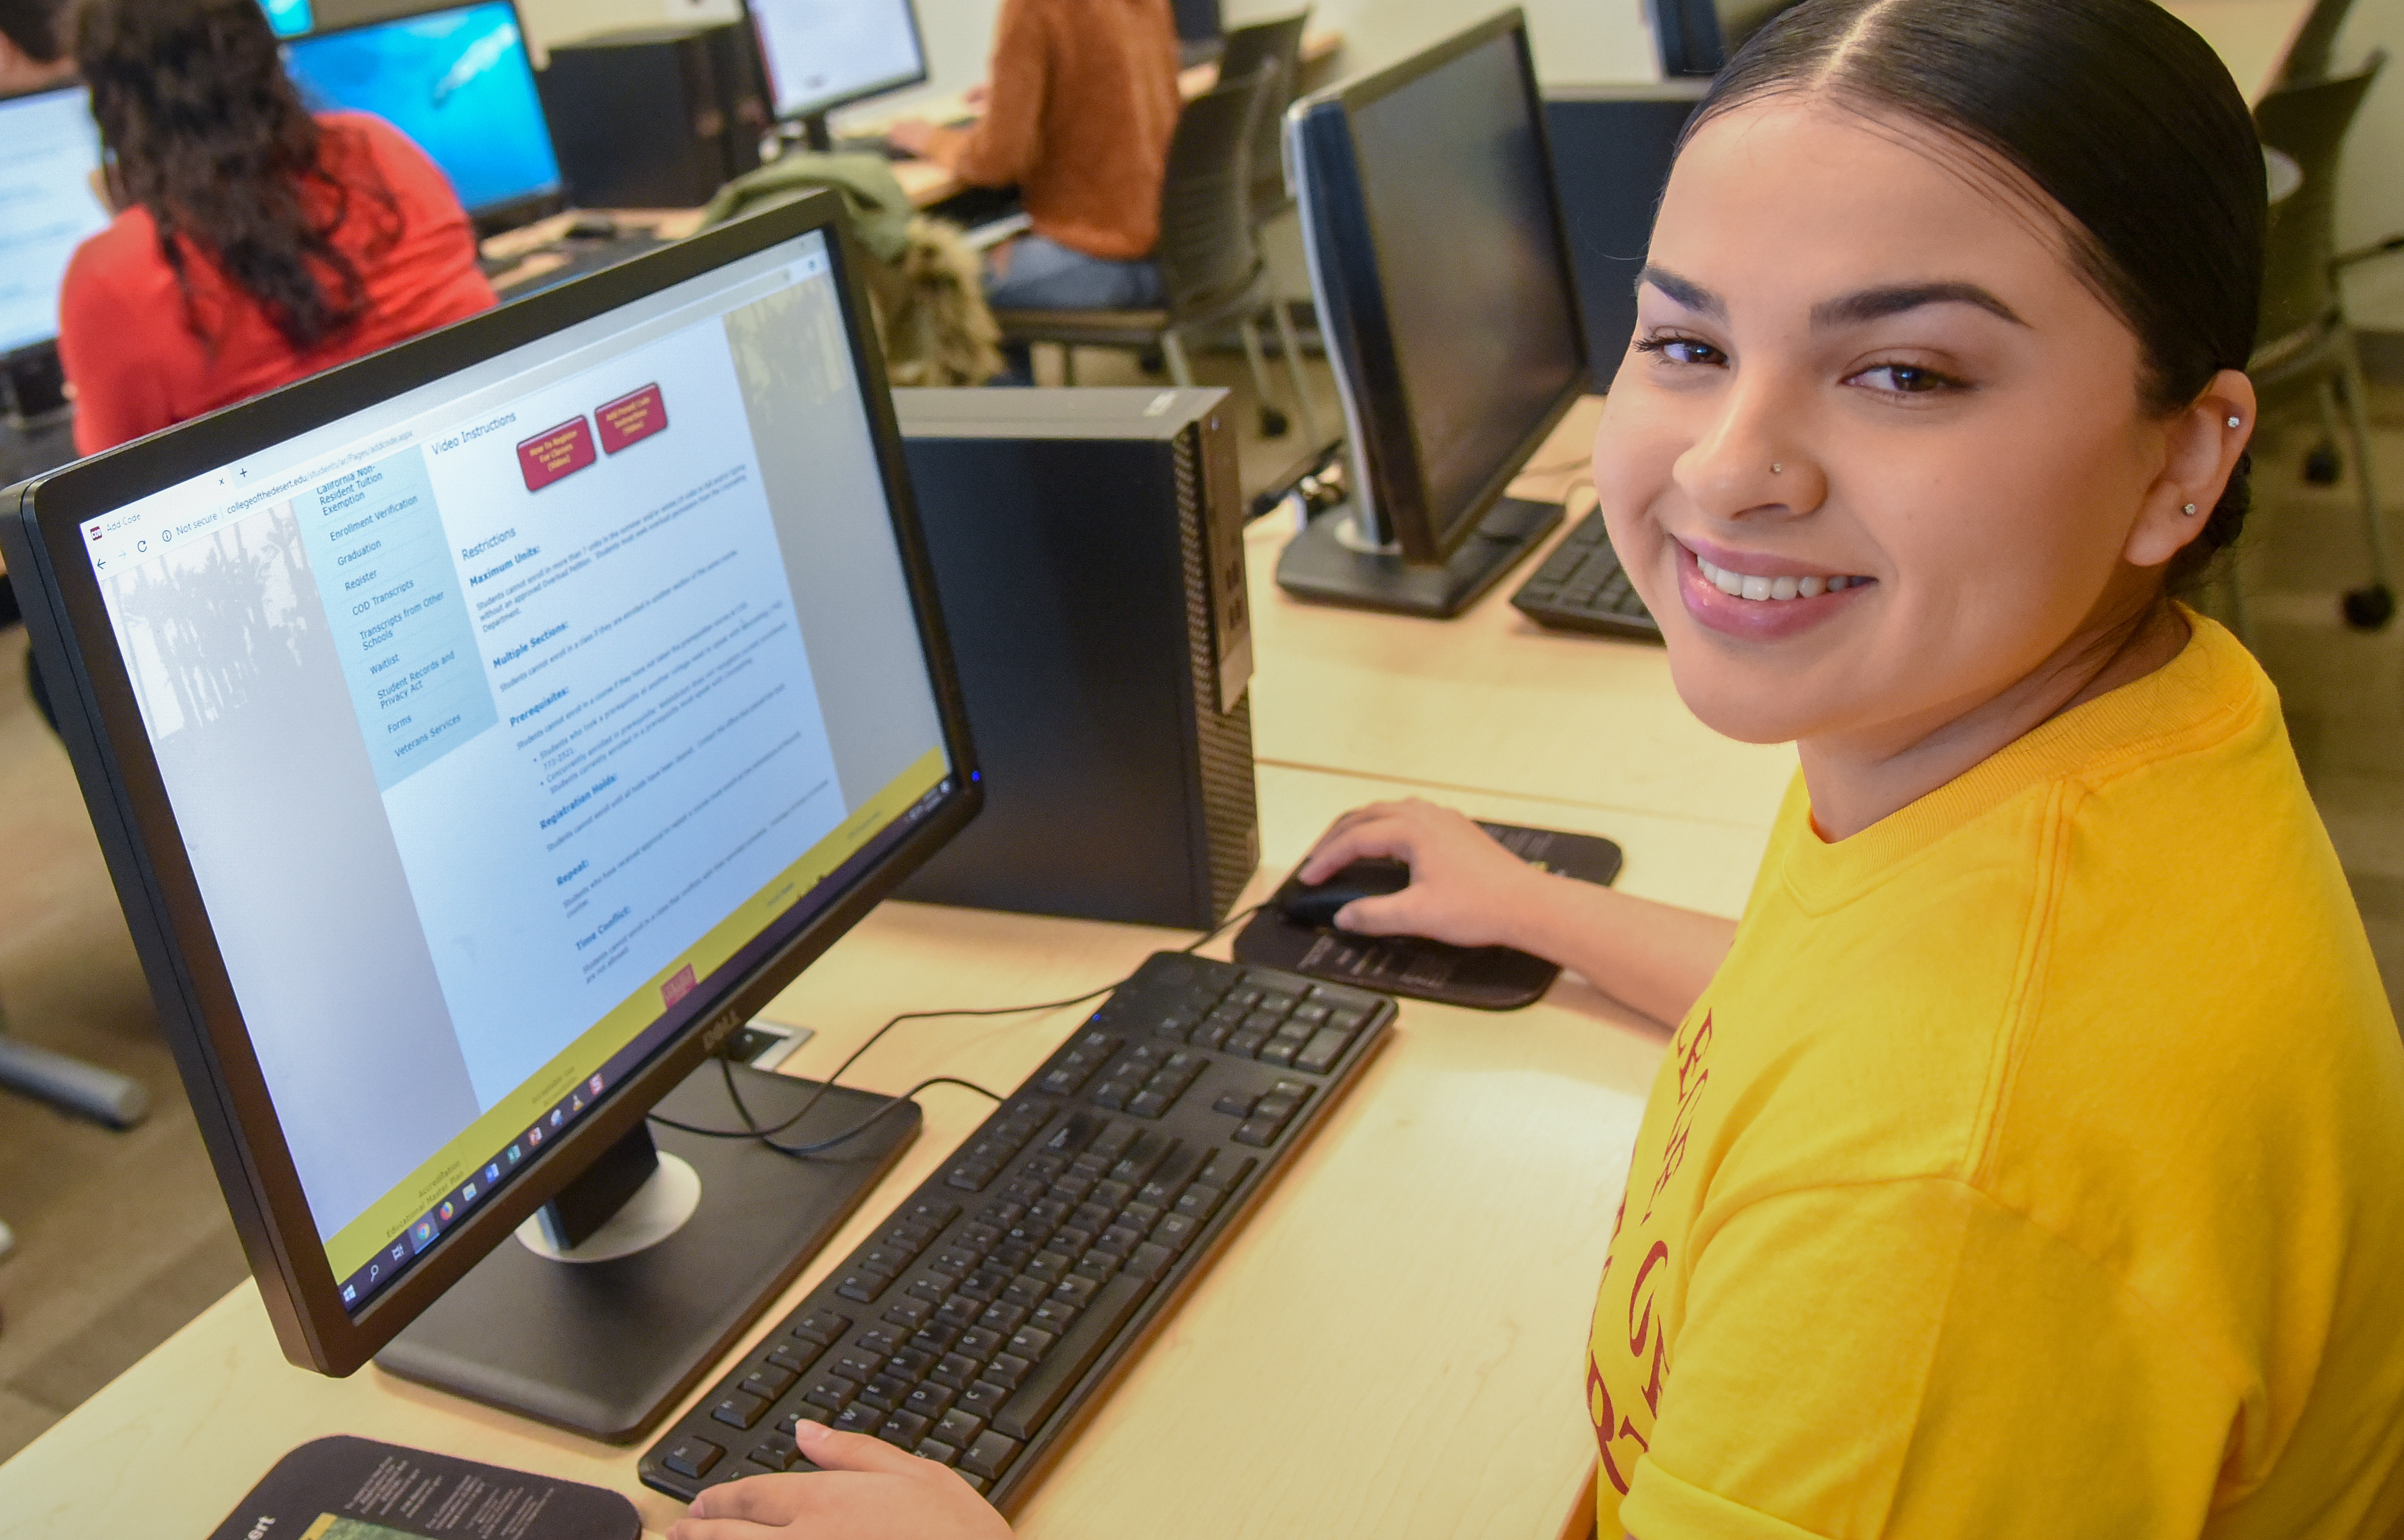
(2190,510)
(1776,470)
(2237,422)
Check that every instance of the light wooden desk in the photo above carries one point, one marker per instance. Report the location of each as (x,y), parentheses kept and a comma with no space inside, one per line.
(1390,1348)
(2252,37)
(1490,701)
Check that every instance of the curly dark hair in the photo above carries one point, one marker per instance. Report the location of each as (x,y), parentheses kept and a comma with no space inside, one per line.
(207,132)
(34,26)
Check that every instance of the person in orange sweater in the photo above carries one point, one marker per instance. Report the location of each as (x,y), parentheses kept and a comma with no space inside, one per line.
(255,243)
(1082,100)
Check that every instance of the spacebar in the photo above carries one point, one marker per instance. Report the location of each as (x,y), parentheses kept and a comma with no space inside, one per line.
(1069,1357)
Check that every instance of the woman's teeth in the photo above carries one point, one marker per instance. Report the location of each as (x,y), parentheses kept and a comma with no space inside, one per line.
(1739,584)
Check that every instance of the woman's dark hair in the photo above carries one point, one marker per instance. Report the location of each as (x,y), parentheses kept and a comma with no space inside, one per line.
(2117,111)
(210,135)
(32,26)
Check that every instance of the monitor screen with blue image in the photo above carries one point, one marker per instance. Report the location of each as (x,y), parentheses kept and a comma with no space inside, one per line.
(50,206)
(289,18)
(457,82)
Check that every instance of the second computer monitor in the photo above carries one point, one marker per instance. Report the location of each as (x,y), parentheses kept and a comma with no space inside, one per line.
(821,55)
(46,187)
(1444,286)
(458,83)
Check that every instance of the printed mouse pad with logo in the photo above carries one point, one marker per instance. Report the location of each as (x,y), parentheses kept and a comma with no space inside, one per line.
(1482,977)
(355,1488)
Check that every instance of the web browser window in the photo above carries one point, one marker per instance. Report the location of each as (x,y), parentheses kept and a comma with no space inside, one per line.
(499,719)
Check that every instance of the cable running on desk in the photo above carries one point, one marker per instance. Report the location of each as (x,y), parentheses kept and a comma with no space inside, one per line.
(751,1129)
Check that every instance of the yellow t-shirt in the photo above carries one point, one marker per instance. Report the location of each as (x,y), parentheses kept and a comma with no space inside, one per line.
(2033,1166)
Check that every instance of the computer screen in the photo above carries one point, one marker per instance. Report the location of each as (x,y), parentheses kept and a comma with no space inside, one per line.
(821,54)
(457,82)
(509,723)
(289,18)
(46,189)
(1453,229)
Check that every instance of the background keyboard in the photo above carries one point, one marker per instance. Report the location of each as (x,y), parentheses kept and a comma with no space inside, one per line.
(1581,586)
(977,1324)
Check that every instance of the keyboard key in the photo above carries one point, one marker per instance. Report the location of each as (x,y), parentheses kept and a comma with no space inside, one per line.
(1199,1202)
(1258,1131)
(937,1451)
(1008,1368)
(778,1458)
(958,1428)
(902,1430)
(858,1417)
(983,1400)
(1320,1055)
(990,1455)
(863,1286)
(768,1382)
(822,1327)
(692,1457)
(1067,1363)
(831,1393)
(858,1363)
(739,1411)
(1149,1260)
(1226,1170)
(930,1400)
(1174,1230)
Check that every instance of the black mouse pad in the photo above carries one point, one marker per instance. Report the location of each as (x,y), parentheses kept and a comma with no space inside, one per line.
(1482,977)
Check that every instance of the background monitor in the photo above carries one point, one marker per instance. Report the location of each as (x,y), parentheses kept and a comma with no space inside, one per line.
(1740,19)
(458,83)
(478,734)
(46,187)
(1442,277)
(823,54)
(1686,37)
(289,18)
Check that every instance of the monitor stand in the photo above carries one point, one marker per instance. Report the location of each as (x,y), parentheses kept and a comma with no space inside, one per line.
(1329,563)
(670,1260)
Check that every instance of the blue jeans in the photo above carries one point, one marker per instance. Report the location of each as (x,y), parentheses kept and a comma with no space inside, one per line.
(1045,275)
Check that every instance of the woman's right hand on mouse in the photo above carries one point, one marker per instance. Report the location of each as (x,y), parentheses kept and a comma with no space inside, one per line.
(1466,888)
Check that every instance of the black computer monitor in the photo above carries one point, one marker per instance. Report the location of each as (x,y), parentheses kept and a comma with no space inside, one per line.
(823,54)
(53,149)
(1201,30)
(1685,36)
(1740,20)
(1442,277)
(458,83)
(478,734)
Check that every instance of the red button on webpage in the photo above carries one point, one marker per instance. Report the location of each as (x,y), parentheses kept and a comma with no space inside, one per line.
(632,419)
(679,987)
(556,453)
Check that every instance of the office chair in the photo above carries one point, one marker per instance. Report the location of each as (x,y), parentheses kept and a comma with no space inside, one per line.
(2305,340)
(1277,44)
(2307,57)
(1210,258)
(70,1084)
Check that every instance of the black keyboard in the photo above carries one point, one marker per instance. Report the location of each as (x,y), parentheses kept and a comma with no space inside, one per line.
(1582,587)
(975,1327)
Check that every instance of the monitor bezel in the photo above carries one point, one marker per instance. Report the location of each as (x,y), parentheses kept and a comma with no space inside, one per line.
(12,356)
(507,214)
(1390,462)
(820,108)
(103,729)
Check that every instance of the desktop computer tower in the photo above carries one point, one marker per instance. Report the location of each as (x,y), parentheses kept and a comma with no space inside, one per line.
(1088,548)
(655,118)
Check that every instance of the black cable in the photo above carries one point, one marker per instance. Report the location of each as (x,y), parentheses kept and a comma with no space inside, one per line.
(751,1129)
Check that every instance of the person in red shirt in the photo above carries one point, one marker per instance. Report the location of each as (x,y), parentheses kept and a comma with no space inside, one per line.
(256,244)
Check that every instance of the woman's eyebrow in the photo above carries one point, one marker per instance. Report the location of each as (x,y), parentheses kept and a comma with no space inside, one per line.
(1685,291)
(1880,304)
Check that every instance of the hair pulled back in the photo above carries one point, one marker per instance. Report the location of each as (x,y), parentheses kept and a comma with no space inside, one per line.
(208,134)
(2113,109)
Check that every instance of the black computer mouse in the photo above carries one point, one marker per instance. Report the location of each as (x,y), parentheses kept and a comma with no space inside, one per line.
(592,227)
(1372,878)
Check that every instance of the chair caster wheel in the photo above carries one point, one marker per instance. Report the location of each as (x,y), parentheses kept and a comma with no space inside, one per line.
(2370,609)
(1272,422)
(2322,468)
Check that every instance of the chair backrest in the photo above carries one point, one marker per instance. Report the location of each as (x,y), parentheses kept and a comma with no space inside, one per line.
(2307,57)
(1206,253)
(1277,43)
(2308,123)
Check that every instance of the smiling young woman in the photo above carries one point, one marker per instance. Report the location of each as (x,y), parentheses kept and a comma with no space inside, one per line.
(2030,1157)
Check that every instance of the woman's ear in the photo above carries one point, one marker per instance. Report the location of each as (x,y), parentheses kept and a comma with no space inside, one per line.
(2200,445)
